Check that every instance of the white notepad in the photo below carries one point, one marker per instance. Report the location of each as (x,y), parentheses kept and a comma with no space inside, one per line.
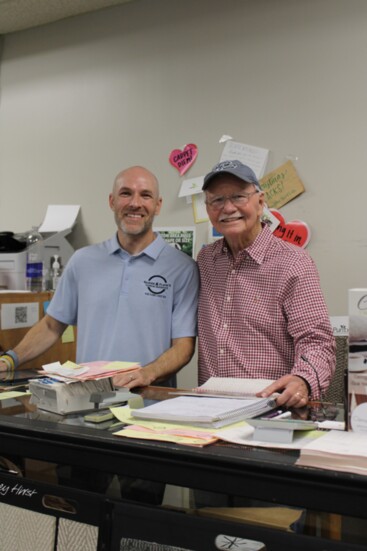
(205,411)
(235,387)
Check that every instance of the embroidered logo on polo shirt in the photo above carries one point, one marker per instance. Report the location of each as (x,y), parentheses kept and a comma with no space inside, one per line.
(157,285)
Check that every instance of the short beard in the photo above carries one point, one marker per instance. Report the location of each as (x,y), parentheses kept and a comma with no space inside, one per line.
(128,231)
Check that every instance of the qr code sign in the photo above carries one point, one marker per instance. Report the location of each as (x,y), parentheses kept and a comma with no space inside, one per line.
(21,314)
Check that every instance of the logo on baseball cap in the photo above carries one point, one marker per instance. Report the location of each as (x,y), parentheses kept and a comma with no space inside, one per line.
(243,172)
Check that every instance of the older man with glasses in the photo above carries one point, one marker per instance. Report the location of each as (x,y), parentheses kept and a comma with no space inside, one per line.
(262,313)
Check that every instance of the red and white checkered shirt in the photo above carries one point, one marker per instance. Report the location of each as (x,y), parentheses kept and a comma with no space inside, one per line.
(259,313)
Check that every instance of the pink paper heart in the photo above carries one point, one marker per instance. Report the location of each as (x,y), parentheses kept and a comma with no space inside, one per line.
(183,159)
(296,231)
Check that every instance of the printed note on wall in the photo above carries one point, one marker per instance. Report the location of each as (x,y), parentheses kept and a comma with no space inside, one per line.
(250,155)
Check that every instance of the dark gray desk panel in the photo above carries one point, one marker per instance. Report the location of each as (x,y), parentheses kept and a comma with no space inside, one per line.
(253,472)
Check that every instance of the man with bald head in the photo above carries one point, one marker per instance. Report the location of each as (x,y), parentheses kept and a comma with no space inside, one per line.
(132,297)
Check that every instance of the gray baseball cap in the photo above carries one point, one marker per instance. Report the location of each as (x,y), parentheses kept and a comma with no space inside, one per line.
(243,172)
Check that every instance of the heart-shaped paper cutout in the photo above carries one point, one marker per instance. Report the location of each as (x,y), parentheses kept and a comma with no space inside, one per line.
(182,159)
(296,231)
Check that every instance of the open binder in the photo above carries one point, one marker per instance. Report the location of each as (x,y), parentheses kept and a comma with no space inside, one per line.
(208,412)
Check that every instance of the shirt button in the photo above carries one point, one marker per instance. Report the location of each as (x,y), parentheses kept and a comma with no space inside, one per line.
(225,325)
(221,351)
(228,298)
(233,271)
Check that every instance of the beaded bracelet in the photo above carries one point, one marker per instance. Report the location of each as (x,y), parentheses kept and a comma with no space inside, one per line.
(10,371)
(14,357)
(8,361)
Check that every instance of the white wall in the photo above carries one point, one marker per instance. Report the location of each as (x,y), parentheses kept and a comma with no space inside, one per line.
(85,97)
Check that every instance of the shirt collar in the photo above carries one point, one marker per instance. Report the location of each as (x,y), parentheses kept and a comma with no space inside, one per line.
(153,249)
(256,250)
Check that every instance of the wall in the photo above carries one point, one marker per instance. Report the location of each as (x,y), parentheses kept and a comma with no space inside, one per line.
(87,96)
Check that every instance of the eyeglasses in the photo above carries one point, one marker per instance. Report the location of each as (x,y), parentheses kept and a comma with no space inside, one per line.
(239,200)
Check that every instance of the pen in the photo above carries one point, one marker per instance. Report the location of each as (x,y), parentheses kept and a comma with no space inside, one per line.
(272,414)
(285,415)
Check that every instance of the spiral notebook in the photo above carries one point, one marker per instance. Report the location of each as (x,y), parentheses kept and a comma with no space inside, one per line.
(208,412)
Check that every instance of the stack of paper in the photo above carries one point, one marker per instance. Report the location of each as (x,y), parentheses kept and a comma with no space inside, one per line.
(337,450)
(230,386)
(88,371)
(205,411)
(68,388)
(62,398)
(163,431)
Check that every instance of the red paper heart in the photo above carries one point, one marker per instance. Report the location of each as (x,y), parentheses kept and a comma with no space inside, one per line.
(183,159)
(296,231)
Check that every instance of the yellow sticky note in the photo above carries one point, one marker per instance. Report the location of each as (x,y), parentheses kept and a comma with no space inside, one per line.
(70,365)
(118,365)
(68,335)
(130,433)
(12,394)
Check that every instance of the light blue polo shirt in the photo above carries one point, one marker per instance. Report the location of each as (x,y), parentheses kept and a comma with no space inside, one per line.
(127,307)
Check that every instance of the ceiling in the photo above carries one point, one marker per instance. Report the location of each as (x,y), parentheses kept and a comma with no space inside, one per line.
(17,15)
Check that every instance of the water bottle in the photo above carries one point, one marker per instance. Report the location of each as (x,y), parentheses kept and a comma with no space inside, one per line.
(55,271)
(34,268)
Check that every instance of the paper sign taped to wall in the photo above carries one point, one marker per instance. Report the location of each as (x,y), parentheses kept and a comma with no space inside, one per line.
(191,186)
(19,315)
(281,185)
(250,155)
(182,238)
(59,218)
(199,208)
